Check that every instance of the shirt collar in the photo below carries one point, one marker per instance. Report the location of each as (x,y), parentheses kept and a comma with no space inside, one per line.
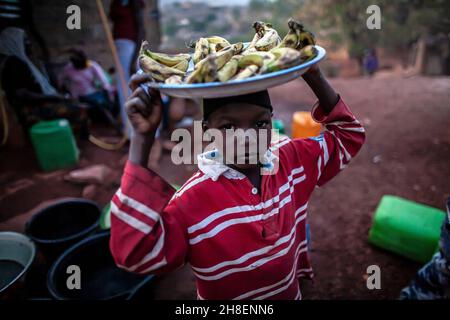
(211,164)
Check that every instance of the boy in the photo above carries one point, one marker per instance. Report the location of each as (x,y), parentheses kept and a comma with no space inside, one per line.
(242,232)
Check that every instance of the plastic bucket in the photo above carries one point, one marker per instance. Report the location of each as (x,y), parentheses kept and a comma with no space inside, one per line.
(17,253)
(60,225)
(100,278)
(54,144)
(407,228)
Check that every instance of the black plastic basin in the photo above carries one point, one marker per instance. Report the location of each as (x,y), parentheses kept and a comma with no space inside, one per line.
(101,279)
(60,225)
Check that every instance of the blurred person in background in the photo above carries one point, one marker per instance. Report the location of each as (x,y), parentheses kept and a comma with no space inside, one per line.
(370,62)
(128,32)
(85,80)
(27,90)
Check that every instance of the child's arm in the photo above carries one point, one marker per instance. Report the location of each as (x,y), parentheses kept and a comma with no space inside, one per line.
(147,232)
(343,136)
(328,98)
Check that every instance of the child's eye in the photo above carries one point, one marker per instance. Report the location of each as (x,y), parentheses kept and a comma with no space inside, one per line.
(262,124)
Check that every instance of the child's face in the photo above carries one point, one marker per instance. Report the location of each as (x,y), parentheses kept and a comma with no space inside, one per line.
(250,142)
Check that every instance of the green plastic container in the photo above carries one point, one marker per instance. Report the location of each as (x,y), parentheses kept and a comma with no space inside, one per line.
(54,144)
(407,228)
(279,125)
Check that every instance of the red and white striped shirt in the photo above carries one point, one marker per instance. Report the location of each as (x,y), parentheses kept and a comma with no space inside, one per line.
(241,244)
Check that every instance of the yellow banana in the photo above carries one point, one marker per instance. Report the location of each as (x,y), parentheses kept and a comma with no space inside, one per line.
(223,56)
(246,72)
(217,39)
(182,66)
(259,58)
(158,71)
(228,70)
(212,48)
(201,50)
(220,46)
(194,77)
(206,72)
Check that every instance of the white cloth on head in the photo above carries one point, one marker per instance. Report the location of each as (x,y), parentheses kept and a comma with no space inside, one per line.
(12,43)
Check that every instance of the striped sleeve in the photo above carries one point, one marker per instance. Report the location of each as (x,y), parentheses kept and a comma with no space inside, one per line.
(147,233)
(341,140)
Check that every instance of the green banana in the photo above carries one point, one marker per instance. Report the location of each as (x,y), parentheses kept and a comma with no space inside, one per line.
(169,60)
(306,39)
(158,71)
(228,70)
(217,39)
(308,53)
(278,52)
(292,38)
(201,50)
(246,72)
(286,58)
(259,58)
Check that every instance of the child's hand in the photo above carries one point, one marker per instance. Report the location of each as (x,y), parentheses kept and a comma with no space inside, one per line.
(313,70)
(143,108)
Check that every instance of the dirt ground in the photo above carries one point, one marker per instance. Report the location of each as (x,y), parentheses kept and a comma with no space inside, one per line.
(407,153)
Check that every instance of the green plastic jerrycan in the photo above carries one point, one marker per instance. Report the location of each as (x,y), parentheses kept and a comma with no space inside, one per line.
(54,144)
(407,228)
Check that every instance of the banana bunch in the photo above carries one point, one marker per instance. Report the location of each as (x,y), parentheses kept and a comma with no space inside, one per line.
(297,37)
(161,65)
(207,69)
(268,36)
(216,59)
(205,46)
